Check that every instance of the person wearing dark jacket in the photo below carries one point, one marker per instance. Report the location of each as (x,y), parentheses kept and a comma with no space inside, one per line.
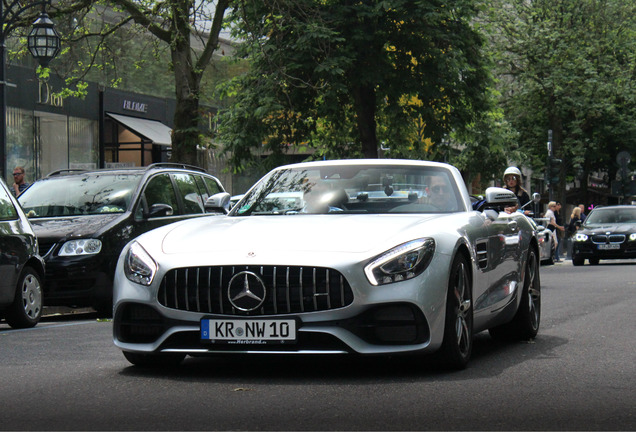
(512,181)
(572,228)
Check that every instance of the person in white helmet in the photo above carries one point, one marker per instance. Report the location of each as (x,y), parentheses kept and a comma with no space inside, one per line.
(512,181)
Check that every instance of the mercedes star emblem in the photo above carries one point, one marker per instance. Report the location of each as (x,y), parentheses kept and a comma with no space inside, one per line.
(246,291)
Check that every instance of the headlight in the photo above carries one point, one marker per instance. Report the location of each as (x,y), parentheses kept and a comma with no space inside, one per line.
(401,263)
(81,247)
(580,237)
(139,267)
(632,237)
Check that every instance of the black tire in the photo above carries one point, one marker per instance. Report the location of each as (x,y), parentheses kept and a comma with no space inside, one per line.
(525,324)
(26,309)
(154,360)
(578,261)
(457,345)
(593,261)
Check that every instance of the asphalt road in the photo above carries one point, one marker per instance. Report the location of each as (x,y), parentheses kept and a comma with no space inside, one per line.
(579,374)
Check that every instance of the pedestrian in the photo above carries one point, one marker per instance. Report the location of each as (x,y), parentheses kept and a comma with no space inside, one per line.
(560,231)
(572,228)
(512,181)
(19,184)
(554,227)
(582,207)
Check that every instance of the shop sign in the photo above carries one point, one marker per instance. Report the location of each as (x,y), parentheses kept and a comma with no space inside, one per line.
(46,96)
(129,105)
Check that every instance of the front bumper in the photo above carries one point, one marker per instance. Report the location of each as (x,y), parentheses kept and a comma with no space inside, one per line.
(393,327)
(78,281)
(626,250)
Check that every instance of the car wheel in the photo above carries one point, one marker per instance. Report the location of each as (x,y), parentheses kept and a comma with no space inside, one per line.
(525,324)
(593,261)
(578,261)
(154,360)
(457,345)
(551,259)
(26,309)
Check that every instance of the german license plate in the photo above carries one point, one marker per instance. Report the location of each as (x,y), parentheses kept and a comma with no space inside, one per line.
(609,246)
(248,331)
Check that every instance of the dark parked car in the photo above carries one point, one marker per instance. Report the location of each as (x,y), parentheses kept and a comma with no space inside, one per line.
(21,268)
(607,233)
(83,219)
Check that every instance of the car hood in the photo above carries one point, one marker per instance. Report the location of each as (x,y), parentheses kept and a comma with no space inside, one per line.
(611,228)
(74,226)
(322,233)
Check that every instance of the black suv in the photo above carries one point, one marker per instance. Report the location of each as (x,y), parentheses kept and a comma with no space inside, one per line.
(21,268)
(83,219)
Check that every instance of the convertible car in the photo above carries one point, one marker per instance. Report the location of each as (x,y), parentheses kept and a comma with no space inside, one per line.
(333,257)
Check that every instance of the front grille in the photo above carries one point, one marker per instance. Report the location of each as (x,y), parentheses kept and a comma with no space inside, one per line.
(613,238)
(289,289)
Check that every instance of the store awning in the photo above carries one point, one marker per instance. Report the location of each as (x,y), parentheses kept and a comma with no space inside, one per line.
(151,130)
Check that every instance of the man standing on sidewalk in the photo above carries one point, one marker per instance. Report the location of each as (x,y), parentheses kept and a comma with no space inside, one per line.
(19,184)
(560,231)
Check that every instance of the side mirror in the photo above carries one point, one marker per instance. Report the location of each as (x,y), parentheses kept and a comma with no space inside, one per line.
(159,210)
(500,197)
(218,203)
(536,197)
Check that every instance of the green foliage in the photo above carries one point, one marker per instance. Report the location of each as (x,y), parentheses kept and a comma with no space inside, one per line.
(342,77)
(569,67)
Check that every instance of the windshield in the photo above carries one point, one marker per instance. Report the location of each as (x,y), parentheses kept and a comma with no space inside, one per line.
(611,216)
(79,195)
(372,189)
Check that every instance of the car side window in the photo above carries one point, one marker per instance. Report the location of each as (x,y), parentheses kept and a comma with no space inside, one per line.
(7,210)
(213,187)
(159,190)
(189,192)
(202,188)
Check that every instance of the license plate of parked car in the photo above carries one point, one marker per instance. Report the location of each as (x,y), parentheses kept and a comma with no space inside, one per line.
(609,246)
(248,330)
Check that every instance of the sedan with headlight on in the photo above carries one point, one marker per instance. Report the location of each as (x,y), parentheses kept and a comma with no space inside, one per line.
(333,257)
(607,233)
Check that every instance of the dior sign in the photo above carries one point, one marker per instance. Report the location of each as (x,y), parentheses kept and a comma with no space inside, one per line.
(47,97)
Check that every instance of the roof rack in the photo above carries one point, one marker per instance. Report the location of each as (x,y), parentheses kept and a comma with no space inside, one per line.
(174,165)
(65,171)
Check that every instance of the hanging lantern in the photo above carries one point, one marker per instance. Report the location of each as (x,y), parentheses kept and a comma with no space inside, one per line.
(44,40)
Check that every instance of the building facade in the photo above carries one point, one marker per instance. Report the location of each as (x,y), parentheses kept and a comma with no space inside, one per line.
(108,127)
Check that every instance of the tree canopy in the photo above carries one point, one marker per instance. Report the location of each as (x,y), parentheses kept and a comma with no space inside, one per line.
(347,78)
(568,67)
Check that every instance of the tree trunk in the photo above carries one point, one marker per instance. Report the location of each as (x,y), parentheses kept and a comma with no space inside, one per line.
(364,99)
(185,133)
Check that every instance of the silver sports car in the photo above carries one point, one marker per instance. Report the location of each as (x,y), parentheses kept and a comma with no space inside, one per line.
(333,257)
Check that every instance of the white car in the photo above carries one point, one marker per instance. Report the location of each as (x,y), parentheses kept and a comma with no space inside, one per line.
(333,257)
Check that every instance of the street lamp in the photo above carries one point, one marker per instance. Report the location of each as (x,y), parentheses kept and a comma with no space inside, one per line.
(43,43)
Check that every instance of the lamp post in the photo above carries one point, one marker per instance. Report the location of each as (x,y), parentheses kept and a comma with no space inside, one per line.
(43,43)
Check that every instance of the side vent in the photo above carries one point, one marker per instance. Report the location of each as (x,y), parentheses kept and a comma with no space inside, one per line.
(481,250)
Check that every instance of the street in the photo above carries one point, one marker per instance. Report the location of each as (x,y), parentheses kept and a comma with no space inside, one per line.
(579,374)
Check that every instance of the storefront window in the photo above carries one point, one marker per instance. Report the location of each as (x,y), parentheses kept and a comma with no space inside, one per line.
(52,133)
(20,147)
(83,143)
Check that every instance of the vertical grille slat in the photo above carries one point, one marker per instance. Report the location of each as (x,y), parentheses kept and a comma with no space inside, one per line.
(289,289)
(209,290)
(274,292)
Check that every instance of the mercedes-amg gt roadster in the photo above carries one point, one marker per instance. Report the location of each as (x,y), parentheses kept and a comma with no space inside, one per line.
(364,257)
